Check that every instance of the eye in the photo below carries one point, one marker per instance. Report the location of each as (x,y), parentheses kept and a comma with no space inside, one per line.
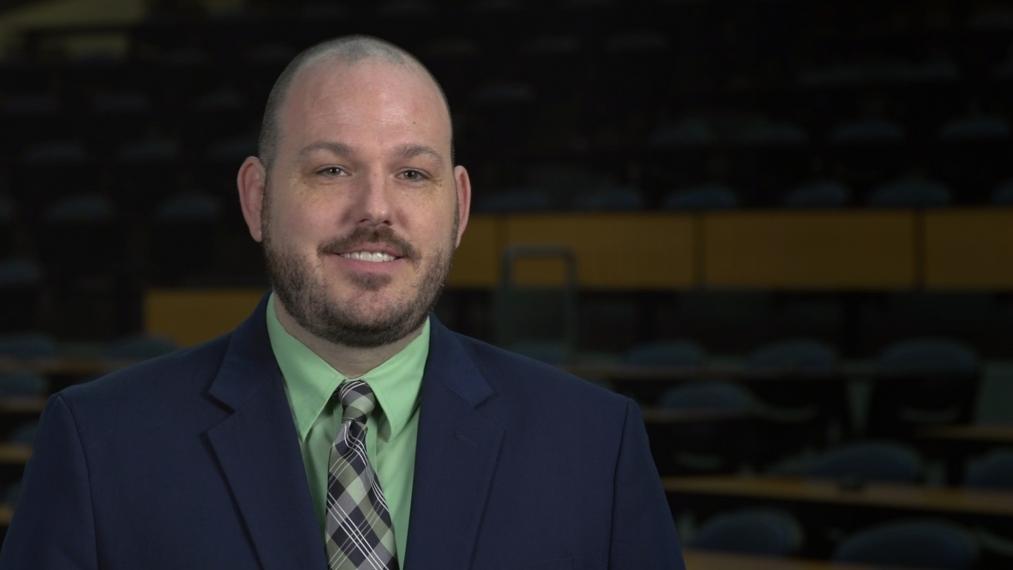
(332,171)
(412,175)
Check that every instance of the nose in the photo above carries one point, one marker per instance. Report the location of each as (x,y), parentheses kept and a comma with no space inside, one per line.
(373,200)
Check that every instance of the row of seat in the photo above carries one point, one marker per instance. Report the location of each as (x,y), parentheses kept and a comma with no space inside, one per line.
(138,206)
(131,112)
(906,542)
(672,131)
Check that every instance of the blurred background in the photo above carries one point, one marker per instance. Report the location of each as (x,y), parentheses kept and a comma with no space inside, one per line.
(784,227)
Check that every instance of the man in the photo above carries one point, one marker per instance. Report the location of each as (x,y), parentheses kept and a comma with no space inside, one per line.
(341,426)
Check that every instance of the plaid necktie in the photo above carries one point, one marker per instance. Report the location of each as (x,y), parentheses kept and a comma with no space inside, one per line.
(359,532)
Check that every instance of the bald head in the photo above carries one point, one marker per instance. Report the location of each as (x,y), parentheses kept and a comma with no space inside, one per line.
(343,51)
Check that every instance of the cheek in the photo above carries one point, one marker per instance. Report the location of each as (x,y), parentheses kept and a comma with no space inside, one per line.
(300,225)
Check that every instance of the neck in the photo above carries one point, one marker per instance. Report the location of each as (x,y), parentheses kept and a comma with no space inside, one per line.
(350,361)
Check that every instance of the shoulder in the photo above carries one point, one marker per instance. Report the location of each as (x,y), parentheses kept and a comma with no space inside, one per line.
(151,387)
(517,377)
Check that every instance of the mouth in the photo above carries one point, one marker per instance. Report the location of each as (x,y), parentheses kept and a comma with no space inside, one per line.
(371,249)
(370,256)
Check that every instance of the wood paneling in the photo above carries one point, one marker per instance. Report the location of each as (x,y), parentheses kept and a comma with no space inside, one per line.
(810,250)
(969,249)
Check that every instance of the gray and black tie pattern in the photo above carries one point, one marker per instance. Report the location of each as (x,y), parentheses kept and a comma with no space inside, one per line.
(359,532)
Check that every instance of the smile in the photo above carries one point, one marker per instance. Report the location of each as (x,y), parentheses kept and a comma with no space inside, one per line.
(370,256)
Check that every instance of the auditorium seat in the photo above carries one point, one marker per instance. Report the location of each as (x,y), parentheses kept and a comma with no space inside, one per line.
(718,440)
(118,115)
(138,347)
(30,118)
(868,131)
(868,149)
(804,402)
(24,434)
(692,130)
(992,471)
(20,295)
(1002,194)
(686,353)
(913,191)
(916,543)
(859,463)
(708,395)
(40,174)
(825,193)
(975,128)
(8,224)
(609,199)
(922,382)
(146,170)
(502,113)
(703,197)
(184,238)
(22,384)
(84,250)
(658,354)
(626,77)
(218,113)
(540,320)
(81,237)
(558,61)
(28,346)
(764,132)
(801,355)
(971,155)
(221,159)
(12,493)
(547,351)
(765,532)
(513,200)
(458,58)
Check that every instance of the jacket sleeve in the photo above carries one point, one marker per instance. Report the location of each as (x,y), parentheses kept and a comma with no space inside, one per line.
(53,526)
(643,530)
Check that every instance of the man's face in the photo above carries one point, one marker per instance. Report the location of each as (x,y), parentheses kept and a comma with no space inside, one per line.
(362,208)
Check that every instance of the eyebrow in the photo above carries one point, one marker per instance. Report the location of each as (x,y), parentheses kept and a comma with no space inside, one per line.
(405,151)
(332,147)
(413,150)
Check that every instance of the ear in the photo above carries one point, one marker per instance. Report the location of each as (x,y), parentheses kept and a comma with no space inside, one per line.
(252,182)
(463,183)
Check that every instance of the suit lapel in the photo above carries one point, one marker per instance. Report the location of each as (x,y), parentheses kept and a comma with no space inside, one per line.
(458,446)
(257,447)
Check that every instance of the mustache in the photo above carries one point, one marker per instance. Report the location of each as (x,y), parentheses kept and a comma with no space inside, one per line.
(375,235)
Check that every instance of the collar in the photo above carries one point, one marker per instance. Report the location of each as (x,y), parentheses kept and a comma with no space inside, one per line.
(310,380)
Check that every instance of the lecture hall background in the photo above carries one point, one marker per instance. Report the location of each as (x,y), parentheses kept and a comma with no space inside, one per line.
(783,227)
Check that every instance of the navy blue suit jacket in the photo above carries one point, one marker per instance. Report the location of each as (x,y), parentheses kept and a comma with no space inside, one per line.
(192,461)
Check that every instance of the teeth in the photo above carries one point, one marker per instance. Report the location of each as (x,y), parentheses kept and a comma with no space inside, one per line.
(372,256)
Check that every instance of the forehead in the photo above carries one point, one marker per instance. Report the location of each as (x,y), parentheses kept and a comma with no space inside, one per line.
(369,102)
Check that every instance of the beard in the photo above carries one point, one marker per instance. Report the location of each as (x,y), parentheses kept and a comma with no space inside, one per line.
(305,293)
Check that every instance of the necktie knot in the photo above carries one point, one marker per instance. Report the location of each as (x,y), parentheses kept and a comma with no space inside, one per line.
(357,400)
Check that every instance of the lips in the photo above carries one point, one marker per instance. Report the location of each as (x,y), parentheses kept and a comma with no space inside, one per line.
(370,256)
(372,245)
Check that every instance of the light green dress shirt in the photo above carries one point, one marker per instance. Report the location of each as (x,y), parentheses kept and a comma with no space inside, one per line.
(391,429)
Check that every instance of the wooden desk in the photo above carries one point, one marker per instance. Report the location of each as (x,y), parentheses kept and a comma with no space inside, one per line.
(661,416)
(705,560)
(736,372)
(978,435)
(955,445)
(63,366)
(956,503)
(22,405)
(15,453)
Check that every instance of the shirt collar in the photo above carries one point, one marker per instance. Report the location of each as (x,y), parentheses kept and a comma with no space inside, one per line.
(310,380)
